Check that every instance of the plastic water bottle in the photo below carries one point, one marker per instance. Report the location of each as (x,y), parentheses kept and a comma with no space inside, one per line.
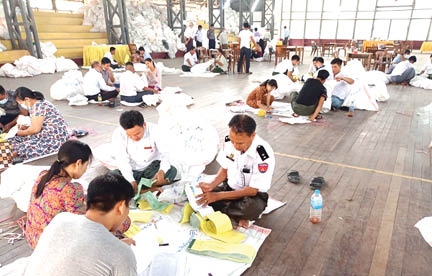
(99,99)
(351,109)
(316,207)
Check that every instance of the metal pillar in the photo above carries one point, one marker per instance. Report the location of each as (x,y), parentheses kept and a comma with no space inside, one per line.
(355,19)
(13,9)
(245,15)
(429,29)
(410,18)
(373,21)
(267,18)
(321,19)
(218,19)
(337,22)
(117,33)
(176,15)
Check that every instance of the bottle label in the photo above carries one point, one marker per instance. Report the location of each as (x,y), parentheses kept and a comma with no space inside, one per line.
(316,204)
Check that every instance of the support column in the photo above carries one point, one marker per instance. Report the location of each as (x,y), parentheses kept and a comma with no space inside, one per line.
(117,33)
(355,19)
(267,18)
(218,19)
(13,9)
(176,15)
(410,18)
(245,14)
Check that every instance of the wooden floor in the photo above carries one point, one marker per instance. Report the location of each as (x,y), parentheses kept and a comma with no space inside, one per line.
(376,164)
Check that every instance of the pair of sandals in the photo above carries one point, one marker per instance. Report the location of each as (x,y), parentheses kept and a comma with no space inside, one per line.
(316,183)
(319,117)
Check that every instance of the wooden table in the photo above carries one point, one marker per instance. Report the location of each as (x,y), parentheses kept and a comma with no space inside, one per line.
(364,57)
(283,52)
(374,43)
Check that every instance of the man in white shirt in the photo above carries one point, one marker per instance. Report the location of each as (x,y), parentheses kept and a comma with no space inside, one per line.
(132,86)
(427,69)
(287,67)
(321,66)
(189,36)
(190,59)
(341,89)
(403,72)
(137,154)
(247,164)
(199,36)
(246,38)
(110,55)
(286,35)
(75,244)
(94,85)
(223,39)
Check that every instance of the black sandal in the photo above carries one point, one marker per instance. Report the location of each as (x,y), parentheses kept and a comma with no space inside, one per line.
(294,177)
(317,183)
(17,159)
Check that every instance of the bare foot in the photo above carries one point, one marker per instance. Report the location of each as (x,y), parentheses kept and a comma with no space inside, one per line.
(243,223)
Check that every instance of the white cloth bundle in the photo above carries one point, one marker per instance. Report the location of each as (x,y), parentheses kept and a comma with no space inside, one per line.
(69,86)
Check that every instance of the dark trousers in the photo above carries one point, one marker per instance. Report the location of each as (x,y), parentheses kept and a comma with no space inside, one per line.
(186,68)
(106,95)
(150,171)
(6,119)
(249,207)
(189,45)
(115,66)
(212,44)
(299,109)
(244,53)
(137,98)
(198,44)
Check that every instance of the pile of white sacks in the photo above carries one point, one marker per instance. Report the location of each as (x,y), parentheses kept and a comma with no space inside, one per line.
(29,66)
(147,25)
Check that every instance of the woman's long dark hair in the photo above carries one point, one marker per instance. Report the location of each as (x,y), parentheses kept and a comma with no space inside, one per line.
(271,82)
(69,153)
(150,60)
(24,92)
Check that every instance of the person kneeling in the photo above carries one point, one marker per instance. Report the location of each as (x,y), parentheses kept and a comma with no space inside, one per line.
(137,154)
(261,96)
(311,97)
(190,59)
(247,164)
(132,87)
(87,238)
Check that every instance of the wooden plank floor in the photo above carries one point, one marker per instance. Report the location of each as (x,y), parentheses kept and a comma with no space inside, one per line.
(376,164)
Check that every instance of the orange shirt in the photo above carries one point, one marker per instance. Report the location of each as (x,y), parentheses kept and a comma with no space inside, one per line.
(258,94)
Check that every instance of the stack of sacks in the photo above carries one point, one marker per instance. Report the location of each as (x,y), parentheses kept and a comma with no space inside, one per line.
(147,25)
(69,87)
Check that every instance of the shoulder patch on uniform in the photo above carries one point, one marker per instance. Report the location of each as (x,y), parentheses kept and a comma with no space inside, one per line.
(262,153)
(227,139)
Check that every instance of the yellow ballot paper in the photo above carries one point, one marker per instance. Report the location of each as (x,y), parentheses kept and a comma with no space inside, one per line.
(132,231)
(139,216)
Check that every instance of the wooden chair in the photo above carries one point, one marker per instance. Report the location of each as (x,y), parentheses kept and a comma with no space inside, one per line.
(315,49)
(383,61)
(203,54)
(132,48)
(372,50)
(325,47)
(281,53)
(365,58)
(236,59)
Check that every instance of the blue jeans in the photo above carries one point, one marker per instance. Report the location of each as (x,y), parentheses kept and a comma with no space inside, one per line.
(406,76)
(137,98)
(336,102)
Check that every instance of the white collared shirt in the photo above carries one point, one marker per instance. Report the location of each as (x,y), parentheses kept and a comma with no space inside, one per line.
(192,58)
(131,155)
(223,37)
(401,67)
(131,83)
(189,33)
(245,38)
(248,169)
(427,68)
(327,68)
(111,58)
(93,83)
(199,35)
(341,89)
(285,65)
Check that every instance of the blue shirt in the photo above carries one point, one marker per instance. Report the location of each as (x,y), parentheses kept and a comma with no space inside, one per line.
(286,33)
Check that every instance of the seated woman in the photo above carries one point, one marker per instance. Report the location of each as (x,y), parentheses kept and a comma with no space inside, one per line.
(220,62)
(311,97)
(260,97)
(47,132)
(54,192)
(154,75)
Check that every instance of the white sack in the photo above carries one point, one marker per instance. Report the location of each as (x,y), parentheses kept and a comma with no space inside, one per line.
(421,82)
(285,86)
(68,86)
(48,49)
(65,64)
(11,71)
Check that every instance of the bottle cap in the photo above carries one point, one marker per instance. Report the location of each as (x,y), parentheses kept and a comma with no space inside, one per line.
(317,192)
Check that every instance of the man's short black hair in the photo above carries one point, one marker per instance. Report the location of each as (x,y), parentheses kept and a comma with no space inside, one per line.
(193,48)
(211,25)
(2,90)
(141,48)
(256,29)
(130,119)
(105,191)
(407,51)
(320,60)
(112,49)
(105,60)
(242,124)
(129,64)
(431,55)
(295,57)
(323,74)
(315,59)
(412,58)
(199,26)
(246,25)
(337,61)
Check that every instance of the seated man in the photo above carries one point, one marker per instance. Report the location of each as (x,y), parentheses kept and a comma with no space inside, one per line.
(427,69)
(247,164)
(11,108)
(341,89)
(313,67)
(143,54)
(132,86)
(220,62)
(287,67)
(106,72)
(110,55)
(137,155)
(403,72)
(190,59)
(311,97)
(398,59)
(94,85)
(321,66)
(87,238)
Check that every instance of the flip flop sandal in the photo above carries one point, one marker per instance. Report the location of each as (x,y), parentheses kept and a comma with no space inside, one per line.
(319,117)
(16,160)
(317,183)
(294,177)
(79,133)
(295,115)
